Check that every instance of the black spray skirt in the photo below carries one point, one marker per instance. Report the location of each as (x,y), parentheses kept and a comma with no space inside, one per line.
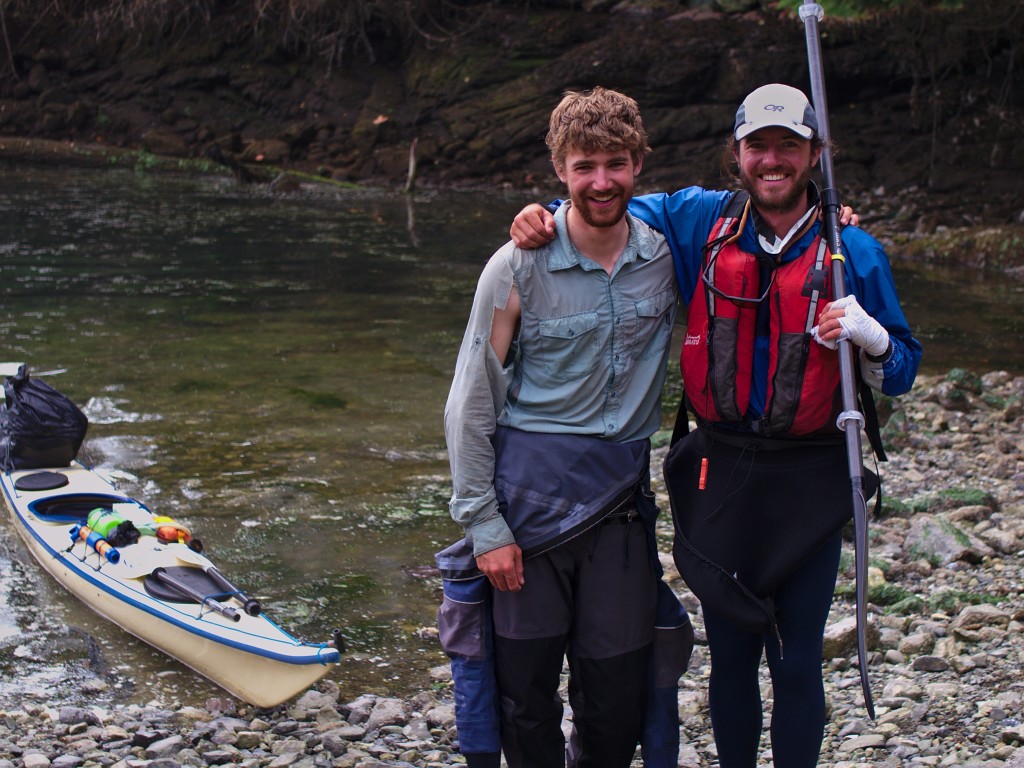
(764,507)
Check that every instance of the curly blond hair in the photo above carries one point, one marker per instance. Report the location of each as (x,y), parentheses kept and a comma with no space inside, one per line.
(598,120)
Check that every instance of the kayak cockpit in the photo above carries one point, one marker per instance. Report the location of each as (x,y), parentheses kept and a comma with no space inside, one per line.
(74,507)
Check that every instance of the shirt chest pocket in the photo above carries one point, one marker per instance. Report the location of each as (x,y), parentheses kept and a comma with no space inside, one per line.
(654,318)
(570,347)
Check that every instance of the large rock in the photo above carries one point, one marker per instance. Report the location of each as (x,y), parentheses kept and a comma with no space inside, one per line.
(840,639)
(387,712)
(939,540)
(975,617)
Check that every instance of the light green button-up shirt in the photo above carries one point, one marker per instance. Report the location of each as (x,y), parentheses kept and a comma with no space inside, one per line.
(590,358)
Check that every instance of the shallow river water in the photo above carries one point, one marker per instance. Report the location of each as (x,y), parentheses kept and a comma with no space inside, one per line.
(272,371)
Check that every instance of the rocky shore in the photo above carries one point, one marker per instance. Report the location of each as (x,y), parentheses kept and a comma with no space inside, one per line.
(946,616)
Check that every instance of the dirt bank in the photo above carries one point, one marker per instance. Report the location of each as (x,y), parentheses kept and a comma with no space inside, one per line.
(925,104)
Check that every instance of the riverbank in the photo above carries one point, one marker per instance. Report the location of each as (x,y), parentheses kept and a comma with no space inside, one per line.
(922,97)
(946,641)
(915,225)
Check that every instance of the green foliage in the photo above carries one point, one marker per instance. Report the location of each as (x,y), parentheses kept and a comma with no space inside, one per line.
(909,605)
(995,402)
(883,565)
(146,161)
(901,601)
(917,553)
(441,686)
(336,30)
(888,594)
(319,399)
(884,594)
(143,162)
(661,439)
(846,562)
(951,601)
(892,507)
(958,535)
(953,498)
(986,247)
(965,379)
(858,8)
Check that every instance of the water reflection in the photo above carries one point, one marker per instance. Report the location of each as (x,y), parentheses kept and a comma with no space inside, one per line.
(271,371)
(964,317)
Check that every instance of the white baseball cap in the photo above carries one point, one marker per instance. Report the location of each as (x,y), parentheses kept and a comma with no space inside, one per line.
(776,104)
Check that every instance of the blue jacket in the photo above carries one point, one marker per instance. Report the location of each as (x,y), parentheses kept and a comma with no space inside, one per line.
(686,218)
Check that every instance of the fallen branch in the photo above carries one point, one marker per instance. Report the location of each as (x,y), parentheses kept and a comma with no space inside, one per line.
(411,181)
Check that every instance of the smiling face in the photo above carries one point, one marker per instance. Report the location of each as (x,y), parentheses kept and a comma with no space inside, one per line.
(775,167)
(600,184)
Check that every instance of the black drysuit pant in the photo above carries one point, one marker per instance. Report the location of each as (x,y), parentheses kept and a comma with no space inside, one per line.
(591,599)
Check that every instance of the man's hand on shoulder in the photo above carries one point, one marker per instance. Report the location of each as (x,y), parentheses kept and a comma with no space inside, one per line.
(533,227)
(503,567)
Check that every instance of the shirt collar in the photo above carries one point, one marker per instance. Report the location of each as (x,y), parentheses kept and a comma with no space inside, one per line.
(773,245)
(566,256)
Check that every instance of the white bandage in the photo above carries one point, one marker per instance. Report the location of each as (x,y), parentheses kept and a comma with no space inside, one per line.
(859,327)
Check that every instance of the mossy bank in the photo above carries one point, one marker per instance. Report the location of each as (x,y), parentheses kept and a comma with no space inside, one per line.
(925,103)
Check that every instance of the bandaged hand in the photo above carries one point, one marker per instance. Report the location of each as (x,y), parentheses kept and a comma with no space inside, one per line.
(845,319)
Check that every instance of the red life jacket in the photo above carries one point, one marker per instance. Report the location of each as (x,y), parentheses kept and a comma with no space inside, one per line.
(717,362)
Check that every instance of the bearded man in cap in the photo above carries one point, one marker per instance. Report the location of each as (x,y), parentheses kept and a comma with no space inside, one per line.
(761,490)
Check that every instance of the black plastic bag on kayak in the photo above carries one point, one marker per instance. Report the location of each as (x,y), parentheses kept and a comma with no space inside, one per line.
(39,426)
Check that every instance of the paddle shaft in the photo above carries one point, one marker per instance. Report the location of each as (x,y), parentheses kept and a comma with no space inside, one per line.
(851,420)
(187,591)
(250,605)
(189,555)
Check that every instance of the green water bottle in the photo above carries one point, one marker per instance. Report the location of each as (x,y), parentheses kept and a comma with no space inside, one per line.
(103,521)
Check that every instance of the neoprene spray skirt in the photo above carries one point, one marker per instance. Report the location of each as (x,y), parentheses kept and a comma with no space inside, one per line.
(750,510)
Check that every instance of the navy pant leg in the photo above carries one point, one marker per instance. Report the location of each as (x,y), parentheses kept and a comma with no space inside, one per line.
(798,710)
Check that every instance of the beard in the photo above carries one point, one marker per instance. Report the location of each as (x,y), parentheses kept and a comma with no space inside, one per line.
(778,200)
(602,217)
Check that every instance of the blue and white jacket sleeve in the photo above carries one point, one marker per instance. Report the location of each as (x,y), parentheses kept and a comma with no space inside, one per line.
(869,278)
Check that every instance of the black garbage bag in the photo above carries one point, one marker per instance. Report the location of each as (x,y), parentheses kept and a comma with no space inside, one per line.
(39,427)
